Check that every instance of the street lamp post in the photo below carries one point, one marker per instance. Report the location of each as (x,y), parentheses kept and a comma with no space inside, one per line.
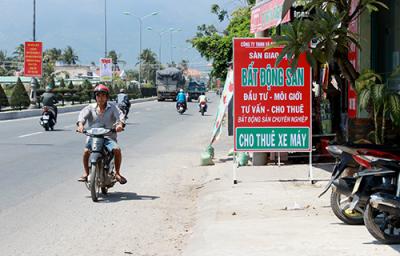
(105,28)
(34,20)
(159,50)
(140,19)
(172,30)
(34,82)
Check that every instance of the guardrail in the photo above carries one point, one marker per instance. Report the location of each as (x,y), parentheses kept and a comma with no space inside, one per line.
(9,115)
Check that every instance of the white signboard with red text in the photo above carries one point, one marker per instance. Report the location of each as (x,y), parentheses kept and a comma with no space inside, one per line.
(272,104)
(105,69)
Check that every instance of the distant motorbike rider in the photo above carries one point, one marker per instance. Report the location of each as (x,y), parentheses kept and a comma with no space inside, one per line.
(49,100)
(123,101)
(181,98)
(102,114)
(203,100)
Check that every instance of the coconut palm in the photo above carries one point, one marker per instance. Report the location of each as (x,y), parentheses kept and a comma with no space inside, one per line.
(69,56)
(19,52)
(149,63)
(52,55)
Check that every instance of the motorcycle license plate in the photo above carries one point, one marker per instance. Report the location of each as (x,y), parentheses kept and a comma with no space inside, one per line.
(45,117)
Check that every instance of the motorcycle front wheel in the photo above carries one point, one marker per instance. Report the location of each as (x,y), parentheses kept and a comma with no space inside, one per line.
(381,225)
(94,186)
(340,204)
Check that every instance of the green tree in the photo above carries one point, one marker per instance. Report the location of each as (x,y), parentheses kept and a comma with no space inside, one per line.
(52,55)
(132,75)
(3,98)
(327,25)
(69,56)
(87,90)
(149,65)
(19,52)
(114,56)
(71,85)
(62,83)
(19,97)
(376,97)
(216,46)
(62,91)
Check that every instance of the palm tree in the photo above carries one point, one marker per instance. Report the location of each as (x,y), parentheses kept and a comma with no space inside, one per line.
(149,63)
(116,59)
(19,52)
(52,55)
(3,56)
(69,56)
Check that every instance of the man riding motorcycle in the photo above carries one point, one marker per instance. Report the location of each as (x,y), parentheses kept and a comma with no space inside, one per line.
(49,100)
(102,114)
(203,100)
(181,98)
(123,102)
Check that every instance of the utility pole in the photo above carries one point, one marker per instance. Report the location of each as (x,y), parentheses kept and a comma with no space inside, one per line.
(34,83)
(105,28)
(34,20)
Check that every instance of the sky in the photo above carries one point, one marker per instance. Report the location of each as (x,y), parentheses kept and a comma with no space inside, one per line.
(80,24)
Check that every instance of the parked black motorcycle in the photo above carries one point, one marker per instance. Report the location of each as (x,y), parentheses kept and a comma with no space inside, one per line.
(101,163)
(48,120)
(345,204)
(382,212)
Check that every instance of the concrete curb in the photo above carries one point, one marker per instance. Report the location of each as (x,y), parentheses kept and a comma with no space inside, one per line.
(37,112)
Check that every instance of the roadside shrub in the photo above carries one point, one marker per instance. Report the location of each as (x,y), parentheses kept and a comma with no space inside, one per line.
(19,97)
(3,98)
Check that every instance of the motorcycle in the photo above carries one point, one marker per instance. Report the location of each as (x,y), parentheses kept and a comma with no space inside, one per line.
(382,211)
(345,205)
(101,163)
(47,120)
(124,108)
(203,108)
(181,108)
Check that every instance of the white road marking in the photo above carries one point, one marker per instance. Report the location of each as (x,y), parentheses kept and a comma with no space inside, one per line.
(30,134)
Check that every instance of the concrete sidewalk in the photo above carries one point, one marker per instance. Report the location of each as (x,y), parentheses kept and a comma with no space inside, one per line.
(271,211)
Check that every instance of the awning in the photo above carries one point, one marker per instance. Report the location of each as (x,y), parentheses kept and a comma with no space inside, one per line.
(269,14)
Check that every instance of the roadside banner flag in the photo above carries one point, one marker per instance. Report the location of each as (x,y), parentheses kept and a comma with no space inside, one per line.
(105,69)
(226,97)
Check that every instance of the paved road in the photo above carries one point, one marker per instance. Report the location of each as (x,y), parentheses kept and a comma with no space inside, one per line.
(44,211)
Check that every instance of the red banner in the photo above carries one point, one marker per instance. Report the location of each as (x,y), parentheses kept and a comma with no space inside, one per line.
(33,59)
(267,15)
(272,105)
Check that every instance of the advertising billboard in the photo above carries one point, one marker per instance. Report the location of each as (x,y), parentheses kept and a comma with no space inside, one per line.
(272,104)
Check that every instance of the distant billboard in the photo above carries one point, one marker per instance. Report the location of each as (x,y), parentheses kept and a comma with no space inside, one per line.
(105,69)
(33,59)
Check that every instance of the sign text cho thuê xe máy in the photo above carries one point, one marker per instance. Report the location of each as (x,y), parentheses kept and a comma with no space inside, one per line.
(272,104)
